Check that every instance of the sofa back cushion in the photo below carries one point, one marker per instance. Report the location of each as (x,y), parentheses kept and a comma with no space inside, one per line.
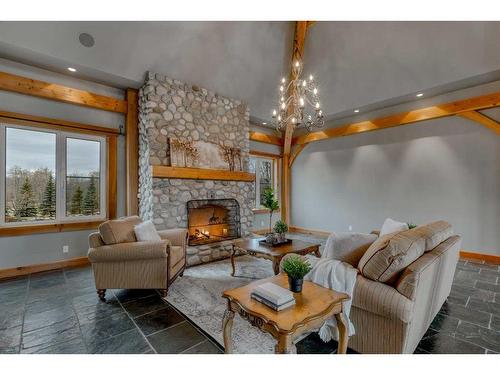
(390,254)
(119,230)
(435,233)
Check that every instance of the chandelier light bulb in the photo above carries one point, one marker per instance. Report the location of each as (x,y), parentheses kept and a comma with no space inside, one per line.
(281,88)
(282,105)
(297,64)
(303,83)
(317,105)
(274,113)
(310,77)
(315,91)
(293,120)
(279,118)
(282,99)
(283,80)
(301,101)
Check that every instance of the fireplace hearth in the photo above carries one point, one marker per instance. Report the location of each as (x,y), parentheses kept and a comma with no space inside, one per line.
(213,220)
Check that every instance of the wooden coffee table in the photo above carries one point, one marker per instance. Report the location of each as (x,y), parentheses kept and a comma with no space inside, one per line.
(251,246)
(312,308)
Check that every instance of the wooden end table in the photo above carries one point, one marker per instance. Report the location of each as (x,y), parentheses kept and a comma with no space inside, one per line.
(312,308)
(251,246)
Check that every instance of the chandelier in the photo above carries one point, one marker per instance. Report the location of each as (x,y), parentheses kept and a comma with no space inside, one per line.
(298,103)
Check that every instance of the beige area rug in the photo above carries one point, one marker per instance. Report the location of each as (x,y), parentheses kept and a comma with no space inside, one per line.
(198,295)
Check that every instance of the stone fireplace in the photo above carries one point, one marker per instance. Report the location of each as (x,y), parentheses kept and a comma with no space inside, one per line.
(171,108)
(213,220)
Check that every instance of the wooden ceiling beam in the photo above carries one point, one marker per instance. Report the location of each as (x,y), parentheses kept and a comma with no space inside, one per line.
(265,138)
(52,91)
(484,120)
(405,118)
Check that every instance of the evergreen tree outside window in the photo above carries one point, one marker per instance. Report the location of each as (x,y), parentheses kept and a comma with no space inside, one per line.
(50,176)
(265,170)
(82,177)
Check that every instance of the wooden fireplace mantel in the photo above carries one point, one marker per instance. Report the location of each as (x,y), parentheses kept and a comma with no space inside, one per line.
(162,171)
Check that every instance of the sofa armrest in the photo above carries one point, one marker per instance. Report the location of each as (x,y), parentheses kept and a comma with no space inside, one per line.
(129,251)
(381,299)
(177,237)
(376,232)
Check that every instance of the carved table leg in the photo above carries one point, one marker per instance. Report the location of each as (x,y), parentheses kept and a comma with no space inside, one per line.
(227,325)
(285,345)
(276,265)
(343,336)
(233,251)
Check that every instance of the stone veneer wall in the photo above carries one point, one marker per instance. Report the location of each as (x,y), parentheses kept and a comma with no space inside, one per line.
(170,108)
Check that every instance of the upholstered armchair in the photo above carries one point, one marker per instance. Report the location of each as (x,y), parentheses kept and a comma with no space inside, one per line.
(119,261)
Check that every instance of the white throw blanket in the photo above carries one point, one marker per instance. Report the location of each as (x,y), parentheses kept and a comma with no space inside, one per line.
(337,275)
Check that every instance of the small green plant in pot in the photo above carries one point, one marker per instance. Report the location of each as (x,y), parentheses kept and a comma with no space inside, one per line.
(280,228)
(296,268)
(271,203)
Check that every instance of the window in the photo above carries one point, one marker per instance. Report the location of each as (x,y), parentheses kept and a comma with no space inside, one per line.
(50,176)
(265,169)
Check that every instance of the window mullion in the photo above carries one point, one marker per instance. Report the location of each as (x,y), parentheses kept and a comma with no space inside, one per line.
(2,173)
(60,177)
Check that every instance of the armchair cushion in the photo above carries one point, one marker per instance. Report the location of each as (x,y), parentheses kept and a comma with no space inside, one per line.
(119,230)
(435,233)
(146,231)
(129,251)
(177,237)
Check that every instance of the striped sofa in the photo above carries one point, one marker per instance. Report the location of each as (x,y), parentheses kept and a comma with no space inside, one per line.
(392,316)
(119,261)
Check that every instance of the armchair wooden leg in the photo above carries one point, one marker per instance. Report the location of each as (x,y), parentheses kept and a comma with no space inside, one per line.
(163,292)
(102,294)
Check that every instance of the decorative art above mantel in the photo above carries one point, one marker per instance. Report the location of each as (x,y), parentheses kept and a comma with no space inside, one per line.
(201,160)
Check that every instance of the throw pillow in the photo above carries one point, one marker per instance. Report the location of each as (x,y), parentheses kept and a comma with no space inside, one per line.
(391,226)
(146,231)
(390,254)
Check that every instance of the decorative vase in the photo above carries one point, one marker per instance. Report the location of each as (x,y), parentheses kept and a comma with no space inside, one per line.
(271,238)
(281,237)
(295,284)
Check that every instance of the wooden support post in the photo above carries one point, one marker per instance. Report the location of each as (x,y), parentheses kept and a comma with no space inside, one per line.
(132,153)
(297,51)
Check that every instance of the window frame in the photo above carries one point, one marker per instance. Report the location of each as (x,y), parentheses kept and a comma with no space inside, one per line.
(60,172)
(274,178)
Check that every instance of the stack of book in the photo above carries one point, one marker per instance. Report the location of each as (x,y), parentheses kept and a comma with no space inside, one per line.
(273,296)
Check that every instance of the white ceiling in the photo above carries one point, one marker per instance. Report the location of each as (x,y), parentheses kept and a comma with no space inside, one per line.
(359,64)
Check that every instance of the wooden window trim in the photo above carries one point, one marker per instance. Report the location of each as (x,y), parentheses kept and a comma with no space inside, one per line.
(111,171)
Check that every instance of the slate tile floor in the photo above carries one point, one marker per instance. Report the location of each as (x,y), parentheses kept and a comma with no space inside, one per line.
(58,312)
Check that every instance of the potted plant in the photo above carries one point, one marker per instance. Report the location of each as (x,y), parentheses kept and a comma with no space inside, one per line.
(280,228)
(296,268)
(271,203)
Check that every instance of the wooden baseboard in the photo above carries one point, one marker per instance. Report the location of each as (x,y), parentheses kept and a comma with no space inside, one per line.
(7,273)
(488,258)
(313,232)
(260,231)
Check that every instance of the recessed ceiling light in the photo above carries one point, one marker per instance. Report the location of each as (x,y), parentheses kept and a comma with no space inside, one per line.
(264,123)
(356,111)
(72,69)
(419,95)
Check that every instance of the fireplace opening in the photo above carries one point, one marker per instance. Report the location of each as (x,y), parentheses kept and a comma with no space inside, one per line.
(213,220)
